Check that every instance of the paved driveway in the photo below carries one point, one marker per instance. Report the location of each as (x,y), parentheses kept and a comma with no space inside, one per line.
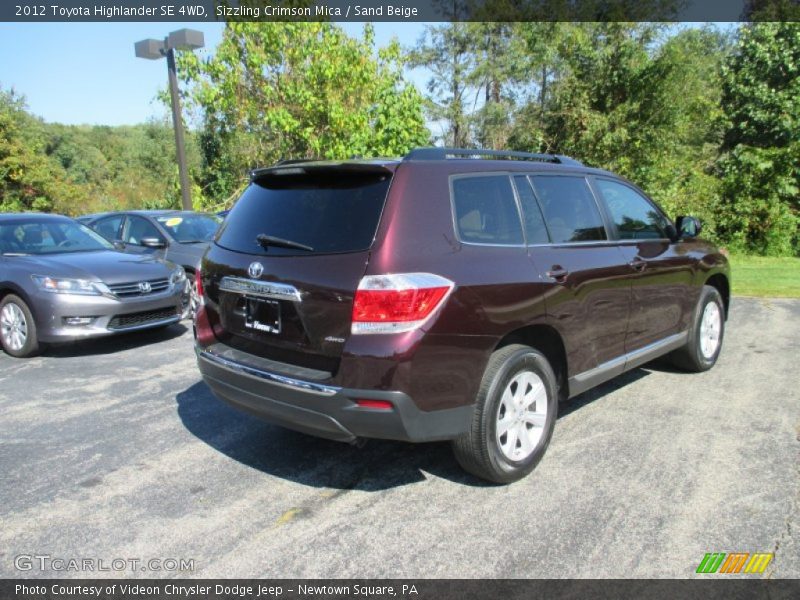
(117,450)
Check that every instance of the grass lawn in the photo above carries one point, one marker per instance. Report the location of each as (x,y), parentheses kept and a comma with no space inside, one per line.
(765,276)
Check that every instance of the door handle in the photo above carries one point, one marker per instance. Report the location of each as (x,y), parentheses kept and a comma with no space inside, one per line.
(558,273)
(638,264)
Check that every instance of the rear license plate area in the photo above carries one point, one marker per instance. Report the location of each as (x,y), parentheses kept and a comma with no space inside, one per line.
(262,315)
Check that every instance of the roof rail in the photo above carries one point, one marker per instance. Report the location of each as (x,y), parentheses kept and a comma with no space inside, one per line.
(445,153)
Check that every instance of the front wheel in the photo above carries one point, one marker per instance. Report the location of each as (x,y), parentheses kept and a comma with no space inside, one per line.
(190,299)
(515,414)
(17,328)
(705,335)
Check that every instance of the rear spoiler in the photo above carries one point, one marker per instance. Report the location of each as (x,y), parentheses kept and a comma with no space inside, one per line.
(298,167)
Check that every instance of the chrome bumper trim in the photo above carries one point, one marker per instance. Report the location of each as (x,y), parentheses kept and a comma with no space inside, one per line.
(281,380)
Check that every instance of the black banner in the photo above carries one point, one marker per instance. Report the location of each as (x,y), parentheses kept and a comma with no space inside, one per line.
(397,589)
(397,10)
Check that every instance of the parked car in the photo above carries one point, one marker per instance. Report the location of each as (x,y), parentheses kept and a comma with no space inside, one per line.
(60,281)
(179,236)
(451,295)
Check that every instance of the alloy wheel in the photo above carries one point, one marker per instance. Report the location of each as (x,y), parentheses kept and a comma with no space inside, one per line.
(710,330)
(521,416)
(13,327)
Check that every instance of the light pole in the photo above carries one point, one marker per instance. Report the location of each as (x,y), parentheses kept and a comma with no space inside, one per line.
(183,39)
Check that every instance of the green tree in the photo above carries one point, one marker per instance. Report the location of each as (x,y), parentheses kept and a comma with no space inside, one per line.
(447,52)
(298,90)
(29,179)
(760,161)
(631,98)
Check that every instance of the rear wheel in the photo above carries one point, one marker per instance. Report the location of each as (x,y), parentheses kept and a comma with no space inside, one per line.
(705,336)
(515,414)
(17,328)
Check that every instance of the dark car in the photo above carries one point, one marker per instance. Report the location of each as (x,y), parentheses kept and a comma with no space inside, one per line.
(179,236)
(451,295)
(60,281)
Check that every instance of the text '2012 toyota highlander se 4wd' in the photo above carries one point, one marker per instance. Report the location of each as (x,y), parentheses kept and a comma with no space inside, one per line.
(450,295)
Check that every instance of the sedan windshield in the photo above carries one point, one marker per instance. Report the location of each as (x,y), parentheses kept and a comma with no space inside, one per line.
(190,228)
(48,236)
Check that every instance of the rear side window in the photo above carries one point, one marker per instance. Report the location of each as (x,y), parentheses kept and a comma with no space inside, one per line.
(634,216)
(109,227)
(328,211)
(486,211)
(569,208)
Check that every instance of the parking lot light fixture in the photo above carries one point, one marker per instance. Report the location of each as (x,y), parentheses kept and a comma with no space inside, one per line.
(153,49)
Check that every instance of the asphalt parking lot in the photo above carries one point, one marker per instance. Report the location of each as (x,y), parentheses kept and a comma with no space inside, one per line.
(117,449)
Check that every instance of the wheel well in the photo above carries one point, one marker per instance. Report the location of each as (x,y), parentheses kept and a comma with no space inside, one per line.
(720,282)
(547,341)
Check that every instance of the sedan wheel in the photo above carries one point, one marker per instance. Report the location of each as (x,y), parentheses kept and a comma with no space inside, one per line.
(13,326)
(17,328)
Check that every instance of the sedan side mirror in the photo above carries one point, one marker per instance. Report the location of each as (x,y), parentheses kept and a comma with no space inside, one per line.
(153,242)
(688,227)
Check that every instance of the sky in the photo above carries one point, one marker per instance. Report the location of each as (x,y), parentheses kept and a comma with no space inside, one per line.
(86,73)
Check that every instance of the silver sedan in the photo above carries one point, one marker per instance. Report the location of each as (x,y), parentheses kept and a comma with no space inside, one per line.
(60,281)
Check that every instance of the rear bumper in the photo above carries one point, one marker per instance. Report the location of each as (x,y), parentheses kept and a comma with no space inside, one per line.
(323,410)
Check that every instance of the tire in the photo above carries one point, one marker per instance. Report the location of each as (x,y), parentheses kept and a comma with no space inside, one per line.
(18,328)
(504,458)
(705,335)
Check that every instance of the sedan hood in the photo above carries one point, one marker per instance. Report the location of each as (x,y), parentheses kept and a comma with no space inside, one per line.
(107,266)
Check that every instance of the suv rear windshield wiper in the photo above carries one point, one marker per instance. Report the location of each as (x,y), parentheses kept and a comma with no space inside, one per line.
(265,241)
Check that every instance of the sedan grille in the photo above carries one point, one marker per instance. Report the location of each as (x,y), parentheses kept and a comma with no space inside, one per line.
(139,288)
(141,318)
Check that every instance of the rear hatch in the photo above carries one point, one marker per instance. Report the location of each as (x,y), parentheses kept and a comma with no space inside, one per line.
(281,275)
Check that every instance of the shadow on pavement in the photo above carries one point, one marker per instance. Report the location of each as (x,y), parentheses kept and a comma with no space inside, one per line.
(312,461)
(316,462)
(116,343)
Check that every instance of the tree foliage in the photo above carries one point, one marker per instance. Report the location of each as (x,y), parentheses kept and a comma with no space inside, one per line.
(704,120)
(79,169)
(760,164)
(635,98)
(295,90)
(28,179)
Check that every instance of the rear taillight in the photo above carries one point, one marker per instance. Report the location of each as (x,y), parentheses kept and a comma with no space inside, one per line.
(398,302)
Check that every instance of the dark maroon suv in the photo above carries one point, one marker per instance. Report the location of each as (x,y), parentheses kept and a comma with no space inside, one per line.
(451,295)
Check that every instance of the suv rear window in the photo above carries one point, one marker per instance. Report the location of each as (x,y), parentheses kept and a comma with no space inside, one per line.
(329,211)
(486,212)
(569,208)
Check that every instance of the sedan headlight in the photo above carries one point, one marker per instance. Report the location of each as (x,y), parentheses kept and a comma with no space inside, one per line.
(57,285)
(178,276)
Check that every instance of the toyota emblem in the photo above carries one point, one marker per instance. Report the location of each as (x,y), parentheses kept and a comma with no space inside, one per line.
(255,270)
(145,287)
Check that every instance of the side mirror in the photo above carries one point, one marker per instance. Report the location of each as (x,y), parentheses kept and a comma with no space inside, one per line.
(688,227)
(153,242)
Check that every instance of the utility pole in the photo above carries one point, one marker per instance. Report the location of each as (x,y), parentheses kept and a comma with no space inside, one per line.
(151,49)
